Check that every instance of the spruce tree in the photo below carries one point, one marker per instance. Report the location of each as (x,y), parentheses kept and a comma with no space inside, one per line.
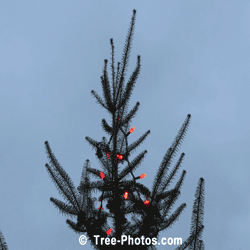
(122,192)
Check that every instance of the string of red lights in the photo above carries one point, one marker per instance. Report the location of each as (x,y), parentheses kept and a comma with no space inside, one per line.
(119,157)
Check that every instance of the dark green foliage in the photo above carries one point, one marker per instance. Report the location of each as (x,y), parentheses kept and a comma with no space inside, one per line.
(197,216)
(190,239)
(149,210)
(3,245)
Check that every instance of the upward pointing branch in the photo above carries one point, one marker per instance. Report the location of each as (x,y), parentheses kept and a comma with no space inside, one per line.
(197,216)
(125,56)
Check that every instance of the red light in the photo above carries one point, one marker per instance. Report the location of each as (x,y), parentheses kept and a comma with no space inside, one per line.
(109,231)
(126,195)
(102,175)
(119,156)
(100,208)
(119,118)
(132,130)
(142,176)
(108,155)
(147,202)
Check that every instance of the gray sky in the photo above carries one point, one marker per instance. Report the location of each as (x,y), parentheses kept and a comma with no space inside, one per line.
(195,59)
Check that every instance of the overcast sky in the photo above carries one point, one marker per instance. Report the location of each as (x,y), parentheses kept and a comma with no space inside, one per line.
(194,60)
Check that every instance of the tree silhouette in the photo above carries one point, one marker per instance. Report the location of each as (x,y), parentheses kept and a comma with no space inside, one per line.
(124,197)
(197,217)
(3,245)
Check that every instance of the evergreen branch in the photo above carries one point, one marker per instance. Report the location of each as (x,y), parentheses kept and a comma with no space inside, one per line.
(135,144)
(105,164)
(98,98)
(92,142)
(94,171)
(164,195)
(86,166)
(96,185)
(97,172)
(65,179)
(190,239)
(197,215)
(3,244)
(172,174)
(106,86)
(63,207)
(130,85)
(161,171)
(173,198)
(116,82)
(113,67)
(130,115)
(126,52)
(169,222)
(166,204)
(125,134)
(133,165)
(106,127)
(62,188)
(119,89)
(85,199)
(180,136)
(179,183)
(72,225)
(168,157)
